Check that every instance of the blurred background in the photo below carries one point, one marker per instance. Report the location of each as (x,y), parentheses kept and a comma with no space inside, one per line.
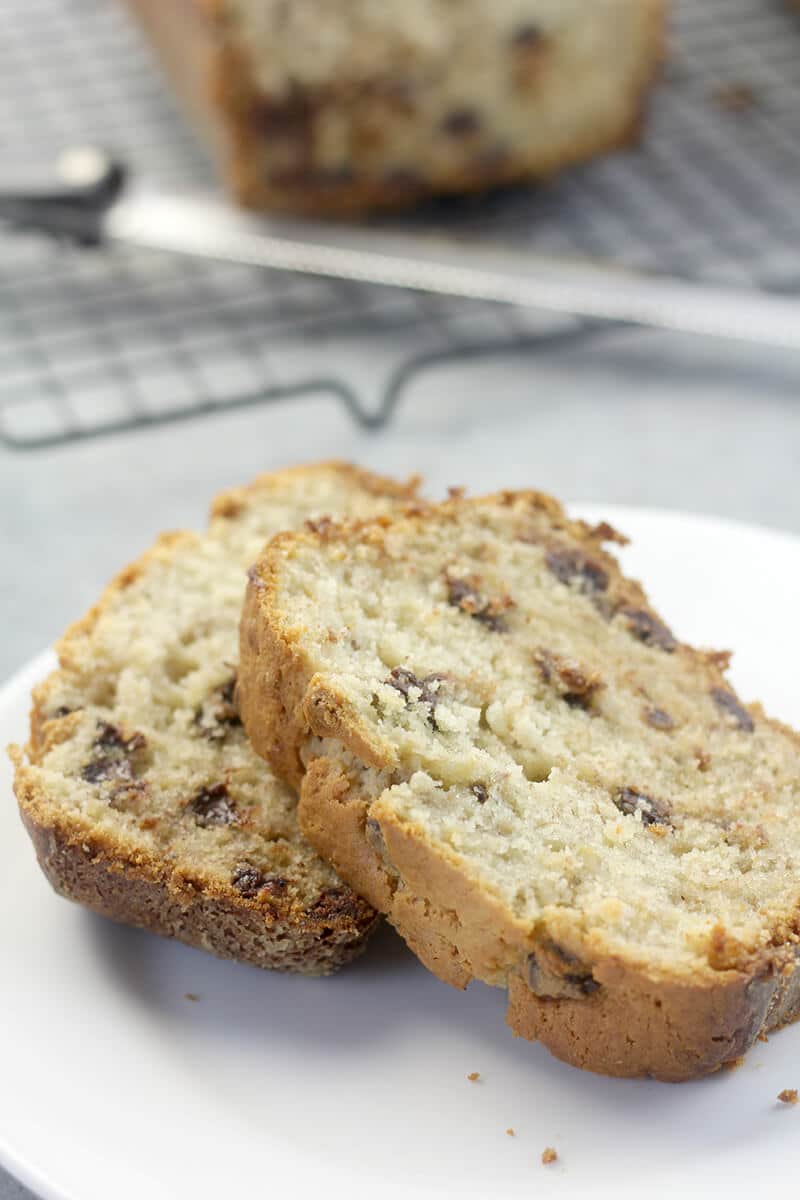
(133,385)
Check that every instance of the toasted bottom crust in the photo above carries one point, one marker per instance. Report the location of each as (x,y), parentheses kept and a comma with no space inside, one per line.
(142,893)
(632,1026)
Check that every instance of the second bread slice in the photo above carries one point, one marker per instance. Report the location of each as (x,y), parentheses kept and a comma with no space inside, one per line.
(501,745)
(139,789)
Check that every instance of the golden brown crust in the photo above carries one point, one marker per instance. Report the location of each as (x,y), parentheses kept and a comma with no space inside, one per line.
(216,82)
(623,1021)
(231,502)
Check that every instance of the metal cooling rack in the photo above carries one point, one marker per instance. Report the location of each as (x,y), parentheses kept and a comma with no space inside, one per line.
(92,341)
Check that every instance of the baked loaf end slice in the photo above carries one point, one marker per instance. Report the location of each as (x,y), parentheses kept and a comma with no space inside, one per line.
(503,747)
(342,106)
(140,790)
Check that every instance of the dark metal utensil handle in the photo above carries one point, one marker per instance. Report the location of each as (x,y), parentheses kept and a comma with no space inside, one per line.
(86,181)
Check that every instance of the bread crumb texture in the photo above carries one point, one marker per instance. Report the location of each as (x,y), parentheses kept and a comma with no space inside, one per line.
(139,787)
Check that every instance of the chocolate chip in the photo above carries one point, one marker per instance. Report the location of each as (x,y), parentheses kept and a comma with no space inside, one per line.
(102,769)
(555,973)
(729,704)
(219,713)
(648,629)
(247,880)
(63,711)
(116,752)
(109,737)
(573,566)
(460,122)
(463,594)
(479,792)
(403,680)
(658,718)
(653,812)
(526,36)
(212,807)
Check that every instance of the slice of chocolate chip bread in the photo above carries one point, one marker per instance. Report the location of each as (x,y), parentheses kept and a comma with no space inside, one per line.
(140,790)
(341,106)
(504,748)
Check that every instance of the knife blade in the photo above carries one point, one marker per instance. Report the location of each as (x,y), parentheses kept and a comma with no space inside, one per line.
(104,208)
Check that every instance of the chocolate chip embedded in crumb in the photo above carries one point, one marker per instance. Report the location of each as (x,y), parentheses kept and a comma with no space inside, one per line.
(571,565)
(653,811)
(555,973)
(404,681)
(212,807)
(219,713)
(110,737)
(479,792)
(63,711)
(102,769)
(461,122)
(247,880)
(658,718)
(648,629)
(732,707)
(465,595)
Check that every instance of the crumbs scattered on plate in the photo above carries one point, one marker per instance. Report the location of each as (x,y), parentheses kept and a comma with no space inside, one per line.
(736,97)
(549,1155)
(788,1096)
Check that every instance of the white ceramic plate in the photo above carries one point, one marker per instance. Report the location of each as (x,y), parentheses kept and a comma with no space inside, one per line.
(113,1084)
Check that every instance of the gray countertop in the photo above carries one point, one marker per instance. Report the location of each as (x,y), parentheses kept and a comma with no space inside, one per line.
(644,420)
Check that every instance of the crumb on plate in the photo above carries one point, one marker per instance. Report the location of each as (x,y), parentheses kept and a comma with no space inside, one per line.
(737,96)
(474,1076)
(193,996)
(549,1155)
(788,1096)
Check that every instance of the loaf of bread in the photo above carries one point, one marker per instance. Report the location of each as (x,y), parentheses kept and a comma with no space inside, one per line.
(139,789)
(503,747)
(339,106)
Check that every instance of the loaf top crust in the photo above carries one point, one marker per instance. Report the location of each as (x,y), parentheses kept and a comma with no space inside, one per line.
(540,757)
(138,755)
